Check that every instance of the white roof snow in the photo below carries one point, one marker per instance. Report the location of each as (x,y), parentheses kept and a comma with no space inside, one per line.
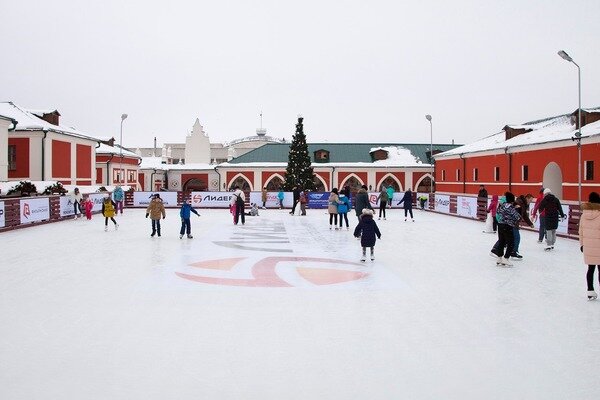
(106,149)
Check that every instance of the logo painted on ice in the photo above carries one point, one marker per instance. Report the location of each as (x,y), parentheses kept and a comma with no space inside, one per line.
(264,272)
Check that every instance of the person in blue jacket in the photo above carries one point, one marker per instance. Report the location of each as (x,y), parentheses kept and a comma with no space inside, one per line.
(407,200)
(185,213)
(343,207)
(280,197)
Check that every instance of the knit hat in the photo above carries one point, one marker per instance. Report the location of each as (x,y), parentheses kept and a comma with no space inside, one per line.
(367,211)
(594,197)
(546,191)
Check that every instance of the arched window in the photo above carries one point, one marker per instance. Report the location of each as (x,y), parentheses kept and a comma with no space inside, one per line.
(353,183)
(389,181)
(274,184)
(425,185)
(241,182)
(195,185)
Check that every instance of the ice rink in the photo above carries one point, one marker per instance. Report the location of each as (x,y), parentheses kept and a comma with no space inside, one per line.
(281,308)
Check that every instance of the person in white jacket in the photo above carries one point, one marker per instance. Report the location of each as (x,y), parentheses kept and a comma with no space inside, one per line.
(589,239)
(77,198)
(238,200)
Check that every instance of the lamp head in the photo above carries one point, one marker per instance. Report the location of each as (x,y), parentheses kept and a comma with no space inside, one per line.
(428,117)
(563,54)
(123,116)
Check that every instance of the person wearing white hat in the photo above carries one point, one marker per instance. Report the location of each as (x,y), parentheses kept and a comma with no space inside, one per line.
(553,209)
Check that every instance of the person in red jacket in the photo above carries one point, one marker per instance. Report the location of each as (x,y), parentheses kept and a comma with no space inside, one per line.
(492,210)
(542,230)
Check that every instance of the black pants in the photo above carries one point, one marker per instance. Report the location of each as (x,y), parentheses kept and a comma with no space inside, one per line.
(505,238)
(186,226)
(382,206)
(155,227)
(408,210)
(332,219)
(106,221)
(76,206)
(294,206)
(239,212)
(590,276)
(344,216)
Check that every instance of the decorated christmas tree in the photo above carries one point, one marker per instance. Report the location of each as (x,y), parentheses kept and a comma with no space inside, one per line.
(299,171)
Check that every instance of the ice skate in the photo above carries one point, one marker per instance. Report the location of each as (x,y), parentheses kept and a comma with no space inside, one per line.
(506,262)
(105,228)
(372,257)
(499,261)
(405,219)
(116,227)
(180,236)
(592,295)
(516,256)
(384,218)
(548,248)
(363,258)
(190,237)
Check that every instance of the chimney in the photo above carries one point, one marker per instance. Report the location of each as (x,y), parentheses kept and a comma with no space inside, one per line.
(155,147)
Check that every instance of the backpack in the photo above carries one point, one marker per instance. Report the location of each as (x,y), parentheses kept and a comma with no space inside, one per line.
(239,201)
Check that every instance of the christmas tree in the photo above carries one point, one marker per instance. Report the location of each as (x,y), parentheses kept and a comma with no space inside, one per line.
(299,171)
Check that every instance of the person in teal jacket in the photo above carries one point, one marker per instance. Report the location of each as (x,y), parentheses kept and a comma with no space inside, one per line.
(343,207)
(280,197)
(390,192)
(185,213)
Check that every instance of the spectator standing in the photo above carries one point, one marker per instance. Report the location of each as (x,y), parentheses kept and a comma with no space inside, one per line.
(589,239)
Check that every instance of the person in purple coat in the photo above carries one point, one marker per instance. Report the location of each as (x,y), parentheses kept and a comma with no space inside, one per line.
(367,230)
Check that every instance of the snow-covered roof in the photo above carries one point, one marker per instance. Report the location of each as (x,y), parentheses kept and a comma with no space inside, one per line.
(106,149)
(40,186)
(398,156)
(27,121)
(554,129)
(153,163)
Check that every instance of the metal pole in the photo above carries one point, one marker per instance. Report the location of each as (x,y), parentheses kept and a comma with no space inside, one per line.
(431,155)
(121,153)
(579,136)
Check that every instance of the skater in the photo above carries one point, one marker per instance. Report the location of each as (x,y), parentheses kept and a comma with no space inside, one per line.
(280,197)
(263,197)
(522,206)
(551,205)
(390,193)
(383,200)
(332,208)
(542,217)
(253,210)
(422,200)
(88,205)
(492,208)
(155,210)
(185,213)
(589,239)
(118,196)
(303,201)
(77,199)
(407,200)
(362,201)
(108,210)
(482,198)
(296,194)
(367,230)
(508,217)
(238,200)
(343,207)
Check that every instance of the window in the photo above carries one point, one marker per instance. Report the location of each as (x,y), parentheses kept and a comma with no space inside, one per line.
(458,175)
(496,174)
(475,174)
(131,176)
(12,157)
(525,173)
(589,170)
(443,175)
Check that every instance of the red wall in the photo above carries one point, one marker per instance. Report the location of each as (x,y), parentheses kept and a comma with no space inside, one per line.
(99,176)
(22,149)
(84,161)
(61,159)
(248,174)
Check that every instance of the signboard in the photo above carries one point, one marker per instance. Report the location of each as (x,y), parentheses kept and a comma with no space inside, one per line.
(212,199)
(466,206)
(272,200)
(142,199)
(442,203)
(2,218)
(34,210)
(66,206)
(97,199)
(318,199)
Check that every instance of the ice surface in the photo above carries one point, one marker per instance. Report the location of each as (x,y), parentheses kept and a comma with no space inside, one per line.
(88,314)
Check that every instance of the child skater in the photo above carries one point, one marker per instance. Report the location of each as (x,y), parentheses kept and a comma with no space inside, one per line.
(108,210)
(368,227)
(185,213)
(88,205)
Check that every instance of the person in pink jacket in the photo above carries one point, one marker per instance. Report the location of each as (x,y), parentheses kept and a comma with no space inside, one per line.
(589,239)
(492,210)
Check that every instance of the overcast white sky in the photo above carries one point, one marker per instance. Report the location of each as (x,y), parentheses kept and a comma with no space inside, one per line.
(358,71)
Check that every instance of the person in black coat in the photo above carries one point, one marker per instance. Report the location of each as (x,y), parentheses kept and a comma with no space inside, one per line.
(552,207)
(362,201)
(407,200)
(296,193)
(367,230)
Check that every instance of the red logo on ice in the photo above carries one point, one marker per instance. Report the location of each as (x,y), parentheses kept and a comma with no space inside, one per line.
(264,272)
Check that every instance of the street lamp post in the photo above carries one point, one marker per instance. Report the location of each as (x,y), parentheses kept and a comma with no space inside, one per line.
(428,117)
(121,178)
(563,54)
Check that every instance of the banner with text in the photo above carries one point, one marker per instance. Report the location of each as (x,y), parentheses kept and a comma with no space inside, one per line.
(142,199)
(442,203)
(34,210)
(211,199)
(272,199)
(466,206)
(66,206)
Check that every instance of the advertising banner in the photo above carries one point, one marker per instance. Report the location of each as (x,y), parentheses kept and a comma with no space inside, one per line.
(97,199)
(142,199)
(318,199)
(2,218)
(466,206)
(34,210)
(212,199)
(272,200)
(442,203)
(66,206)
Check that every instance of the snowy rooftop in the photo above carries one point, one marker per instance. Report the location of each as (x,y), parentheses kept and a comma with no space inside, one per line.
(27,120)
(40,186)
(554,129)
(156,163)
(106,149)
(399,156)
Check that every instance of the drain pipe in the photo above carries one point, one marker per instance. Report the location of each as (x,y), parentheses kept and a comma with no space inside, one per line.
(464,174)
(332,181)
(218,173)
(509,169)
(44,155)
(108,170)
(152,179)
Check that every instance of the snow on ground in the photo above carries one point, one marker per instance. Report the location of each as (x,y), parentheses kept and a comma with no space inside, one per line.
(280,308)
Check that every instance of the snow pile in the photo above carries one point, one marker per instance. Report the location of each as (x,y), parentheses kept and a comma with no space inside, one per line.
(398,156)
